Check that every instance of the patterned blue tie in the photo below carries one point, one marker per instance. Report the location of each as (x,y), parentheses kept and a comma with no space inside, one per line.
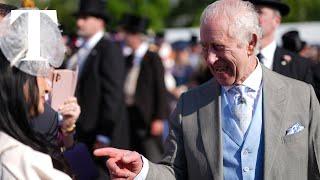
(241,109)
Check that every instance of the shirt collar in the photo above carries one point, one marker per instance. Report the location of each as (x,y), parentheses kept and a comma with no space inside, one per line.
(94,40)
(268,53)
(253,81)
(141,50)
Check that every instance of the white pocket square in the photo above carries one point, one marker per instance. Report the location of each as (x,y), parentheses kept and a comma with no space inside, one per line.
(294,129)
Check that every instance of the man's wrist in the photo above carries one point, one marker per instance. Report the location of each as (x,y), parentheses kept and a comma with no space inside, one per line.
(142,175)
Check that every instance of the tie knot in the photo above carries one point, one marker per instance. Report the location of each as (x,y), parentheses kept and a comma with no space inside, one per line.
(238,93)
(239,89)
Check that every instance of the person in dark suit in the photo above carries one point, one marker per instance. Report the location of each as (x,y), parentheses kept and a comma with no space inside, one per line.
(145,92)
(316,77)
(100,63)
(272,56)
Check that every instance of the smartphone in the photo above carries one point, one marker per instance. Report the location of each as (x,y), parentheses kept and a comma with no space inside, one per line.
(64,83)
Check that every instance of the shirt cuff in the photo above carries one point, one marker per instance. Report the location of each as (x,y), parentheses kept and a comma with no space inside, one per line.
(144,171)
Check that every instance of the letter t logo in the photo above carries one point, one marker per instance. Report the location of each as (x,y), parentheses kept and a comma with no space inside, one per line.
(33,53)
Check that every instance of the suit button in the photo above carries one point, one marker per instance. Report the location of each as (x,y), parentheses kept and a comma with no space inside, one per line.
(246,169)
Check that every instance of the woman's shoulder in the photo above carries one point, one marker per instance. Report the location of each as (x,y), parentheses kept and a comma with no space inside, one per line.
(22,162)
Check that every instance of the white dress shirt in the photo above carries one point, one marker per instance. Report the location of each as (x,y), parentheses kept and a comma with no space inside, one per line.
(253,83)
(268,54)
(81,55)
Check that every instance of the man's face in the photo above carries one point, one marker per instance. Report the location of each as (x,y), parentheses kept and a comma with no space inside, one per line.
(88,26)
(133,40)
(269,20)
(227,59)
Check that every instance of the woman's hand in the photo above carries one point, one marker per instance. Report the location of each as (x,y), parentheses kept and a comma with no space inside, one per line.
(70,111)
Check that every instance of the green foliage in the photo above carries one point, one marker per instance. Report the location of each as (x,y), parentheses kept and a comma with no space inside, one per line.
(156,10)
(65,10)
(165,13)
(303,10)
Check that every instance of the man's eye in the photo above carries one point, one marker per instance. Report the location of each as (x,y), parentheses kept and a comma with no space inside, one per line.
(218,47)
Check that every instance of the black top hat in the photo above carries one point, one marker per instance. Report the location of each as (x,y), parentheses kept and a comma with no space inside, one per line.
(134,24)
(5,9)
(291,41)
(275,4)
(96,8)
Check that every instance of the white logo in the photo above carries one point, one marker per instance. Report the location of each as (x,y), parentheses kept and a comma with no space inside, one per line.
(33,53)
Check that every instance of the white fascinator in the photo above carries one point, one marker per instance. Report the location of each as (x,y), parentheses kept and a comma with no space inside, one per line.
(32,41)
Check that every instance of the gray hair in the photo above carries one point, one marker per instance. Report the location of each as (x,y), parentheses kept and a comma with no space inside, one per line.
(240,16)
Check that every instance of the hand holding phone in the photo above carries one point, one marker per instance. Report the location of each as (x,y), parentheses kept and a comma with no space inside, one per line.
(64,83)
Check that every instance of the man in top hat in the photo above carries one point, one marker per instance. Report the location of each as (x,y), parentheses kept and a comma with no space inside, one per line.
(273,57)
(100,82)
(291,41)
(145,92)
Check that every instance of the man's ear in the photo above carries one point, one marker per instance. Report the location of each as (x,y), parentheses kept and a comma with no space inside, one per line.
(252,44)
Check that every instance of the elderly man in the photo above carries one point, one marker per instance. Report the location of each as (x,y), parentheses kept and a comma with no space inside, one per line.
(237,125)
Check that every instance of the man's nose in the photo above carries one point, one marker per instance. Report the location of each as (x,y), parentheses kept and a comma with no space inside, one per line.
(211,57)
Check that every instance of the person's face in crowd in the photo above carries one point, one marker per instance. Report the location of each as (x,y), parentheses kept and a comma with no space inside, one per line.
(89,25)
(182,56)
(133,40)
(269,20)
(227,58)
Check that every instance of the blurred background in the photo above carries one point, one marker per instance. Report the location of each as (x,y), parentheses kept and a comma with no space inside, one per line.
(172,15)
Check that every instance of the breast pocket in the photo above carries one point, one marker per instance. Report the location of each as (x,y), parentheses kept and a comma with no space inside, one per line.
(295,138)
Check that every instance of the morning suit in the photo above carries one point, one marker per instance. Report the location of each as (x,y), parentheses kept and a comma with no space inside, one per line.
(149,103)
(292,65)
(100,95)
(194,145)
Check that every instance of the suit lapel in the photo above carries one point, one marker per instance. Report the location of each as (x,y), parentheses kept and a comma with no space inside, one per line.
(274,106)
(210,127)
(89,60)
(277,61)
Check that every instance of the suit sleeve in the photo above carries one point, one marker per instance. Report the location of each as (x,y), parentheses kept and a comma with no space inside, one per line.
(173,165)
(111,73)
(160,94)
(314,139)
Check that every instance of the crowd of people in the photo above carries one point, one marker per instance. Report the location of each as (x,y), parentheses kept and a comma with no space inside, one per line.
(231,104)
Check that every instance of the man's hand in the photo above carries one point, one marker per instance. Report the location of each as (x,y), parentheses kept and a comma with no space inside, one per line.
(121,163)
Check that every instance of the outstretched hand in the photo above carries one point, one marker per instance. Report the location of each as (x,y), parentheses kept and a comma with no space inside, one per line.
(121,163)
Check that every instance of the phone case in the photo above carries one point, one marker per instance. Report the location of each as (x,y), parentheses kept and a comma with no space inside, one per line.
(63,86)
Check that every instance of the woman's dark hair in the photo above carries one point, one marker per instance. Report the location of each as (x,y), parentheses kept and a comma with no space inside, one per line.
(15,111)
